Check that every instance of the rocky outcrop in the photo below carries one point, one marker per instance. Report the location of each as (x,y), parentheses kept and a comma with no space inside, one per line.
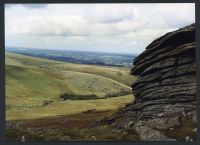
(165,89)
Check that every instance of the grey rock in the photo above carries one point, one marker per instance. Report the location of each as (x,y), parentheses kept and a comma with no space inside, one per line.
(93,138)
(165,89)
(149,134)
(187,138)
(163,123)
(12,125)
(65,138)
(130,124)
(195,130)
(183,113)
(194,118)
(23,138)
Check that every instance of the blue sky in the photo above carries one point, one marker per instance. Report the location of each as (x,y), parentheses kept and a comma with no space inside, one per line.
(120,28)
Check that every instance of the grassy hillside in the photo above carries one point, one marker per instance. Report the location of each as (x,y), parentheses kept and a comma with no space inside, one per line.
(23,82)
(30,86)
(118,74)
(32,81)
(68,107)
(121,75)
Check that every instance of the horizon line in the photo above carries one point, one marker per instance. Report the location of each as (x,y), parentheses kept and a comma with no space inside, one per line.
(108,52)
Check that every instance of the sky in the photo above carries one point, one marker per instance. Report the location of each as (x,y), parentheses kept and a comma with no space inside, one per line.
(117,28)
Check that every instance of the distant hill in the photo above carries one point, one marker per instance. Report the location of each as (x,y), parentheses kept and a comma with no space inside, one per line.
(79,57)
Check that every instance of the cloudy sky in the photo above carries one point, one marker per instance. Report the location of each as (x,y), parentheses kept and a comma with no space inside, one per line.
(120,28)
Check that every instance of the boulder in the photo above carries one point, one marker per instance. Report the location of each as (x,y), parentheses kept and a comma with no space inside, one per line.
(149,134)
(166,85)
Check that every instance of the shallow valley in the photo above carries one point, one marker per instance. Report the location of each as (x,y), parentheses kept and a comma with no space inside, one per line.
(72,98)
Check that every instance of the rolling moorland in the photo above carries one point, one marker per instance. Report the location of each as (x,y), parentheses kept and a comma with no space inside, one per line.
(71,97)
(163,107)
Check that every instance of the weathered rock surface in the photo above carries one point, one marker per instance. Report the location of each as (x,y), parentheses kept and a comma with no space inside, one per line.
(149,134)
(166,85)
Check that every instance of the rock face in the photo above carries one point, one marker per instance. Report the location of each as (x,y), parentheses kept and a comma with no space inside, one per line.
(166,86)
(166,75)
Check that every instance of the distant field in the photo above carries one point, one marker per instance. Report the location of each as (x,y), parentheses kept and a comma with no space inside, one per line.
(78,57)
(32,81)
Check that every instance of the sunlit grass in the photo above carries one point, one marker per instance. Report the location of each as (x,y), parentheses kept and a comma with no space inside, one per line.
(68,107)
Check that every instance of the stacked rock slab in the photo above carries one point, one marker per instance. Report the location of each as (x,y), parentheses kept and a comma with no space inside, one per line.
(166,84)
(166,75)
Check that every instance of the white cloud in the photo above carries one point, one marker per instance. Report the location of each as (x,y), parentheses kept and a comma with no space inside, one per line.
(107,27)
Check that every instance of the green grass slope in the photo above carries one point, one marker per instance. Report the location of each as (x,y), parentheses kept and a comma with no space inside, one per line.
(30,81)
(118,74)
(68,107)
(30,86)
